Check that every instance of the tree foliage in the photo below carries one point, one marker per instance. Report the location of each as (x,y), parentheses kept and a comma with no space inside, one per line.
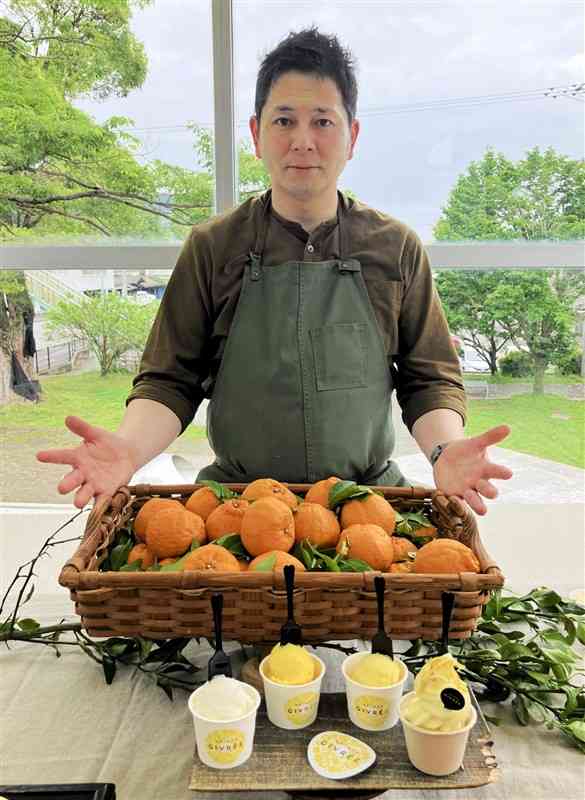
(540,197)
(112,325)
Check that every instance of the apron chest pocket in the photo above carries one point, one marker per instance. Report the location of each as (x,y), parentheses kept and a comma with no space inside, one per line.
(340,355)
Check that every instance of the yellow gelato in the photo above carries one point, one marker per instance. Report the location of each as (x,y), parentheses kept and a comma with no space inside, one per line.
(291,665)
(376,669)
(425,708)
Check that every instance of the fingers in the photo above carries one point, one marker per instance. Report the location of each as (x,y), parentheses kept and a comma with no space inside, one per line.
(84,495)
(64,456)
(498,471)
(486,489)
(475,502)
(82,428)
(70,482)
(493,436)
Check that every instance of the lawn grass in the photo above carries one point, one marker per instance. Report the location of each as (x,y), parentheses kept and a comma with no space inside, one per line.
(547,426)
(486,377)
(100,401)
(537,422)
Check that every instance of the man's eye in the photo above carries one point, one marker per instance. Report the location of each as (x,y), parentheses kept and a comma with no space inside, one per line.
(324,123)
(282,121)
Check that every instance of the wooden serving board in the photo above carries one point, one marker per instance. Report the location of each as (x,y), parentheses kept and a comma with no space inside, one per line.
(279,760)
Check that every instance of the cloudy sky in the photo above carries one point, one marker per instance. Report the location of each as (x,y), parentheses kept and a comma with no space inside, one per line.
(439,83)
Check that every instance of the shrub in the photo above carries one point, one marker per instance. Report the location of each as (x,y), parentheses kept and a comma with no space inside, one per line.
(570,364)
(517,364)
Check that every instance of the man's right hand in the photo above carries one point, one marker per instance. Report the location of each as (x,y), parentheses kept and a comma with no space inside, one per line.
(102,463)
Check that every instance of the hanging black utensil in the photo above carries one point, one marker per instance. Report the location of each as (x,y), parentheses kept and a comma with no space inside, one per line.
(290,633)
(381,643)
(219,663)
(451,698)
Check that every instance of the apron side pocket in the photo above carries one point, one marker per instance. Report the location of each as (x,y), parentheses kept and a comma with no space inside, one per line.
(340,355)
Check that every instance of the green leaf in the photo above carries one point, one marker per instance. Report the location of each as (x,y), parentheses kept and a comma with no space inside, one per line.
(577,729)
(29,594)
(176,566)
(520,710)
(119,555)
(346,490)
(28,625)
(581,632)
(135,566)
(266,564)
(354,565)
(545,598)
(164,685)
(219,490)
(233,543)
(303,552)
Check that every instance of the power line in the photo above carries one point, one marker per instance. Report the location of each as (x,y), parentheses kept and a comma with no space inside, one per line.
(570,91)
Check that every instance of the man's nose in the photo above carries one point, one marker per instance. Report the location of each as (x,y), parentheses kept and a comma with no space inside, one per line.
(302,139)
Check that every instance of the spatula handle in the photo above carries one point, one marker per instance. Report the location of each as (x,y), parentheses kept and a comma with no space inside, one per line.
(289,579)
(217,606)
(380,587)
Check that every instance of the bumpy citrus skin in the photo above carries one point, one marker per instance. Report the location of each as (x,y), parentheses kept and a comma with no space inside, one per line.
(372,509)
(281,560)
(226,518)
(202,502)
(140,552)
(317,524)
(268,487)
(211,557)
(402,548)
(268,524)
(369,543)
(147,510)
(319,492)
(445,556)
(170,531)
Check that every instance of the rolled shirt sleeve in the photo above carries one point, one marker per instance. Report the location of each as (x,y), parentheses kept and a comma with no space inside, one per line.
(427,372)
(175,360)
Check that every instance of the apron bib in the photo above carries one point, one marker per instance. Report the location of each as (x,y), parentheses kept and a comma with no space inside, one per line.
(304,388)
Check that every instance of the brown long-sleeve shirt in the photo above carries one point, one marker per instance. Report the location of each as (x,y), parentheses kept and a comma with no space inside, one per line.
(186,343)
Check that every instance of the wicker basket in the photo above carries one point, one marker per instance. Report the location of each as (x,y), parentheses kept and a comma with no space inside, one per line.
(329,606)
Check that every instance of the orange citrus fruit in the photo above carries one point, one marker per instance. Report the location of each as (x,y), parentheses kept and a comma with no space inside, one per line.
(202,502)
(280,561)
(317,524)
(226,518)
(268,487)
(211,557)
(369,543)
(319,492)
(430,530)
(170,531)
(268,524)
(445,556)
(142,553)
(402,547)
(145,512)
(372,509)
(401,566)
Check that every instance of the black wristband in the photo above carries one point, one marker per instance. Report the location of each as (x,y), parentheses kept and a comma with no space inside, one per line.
(436,452)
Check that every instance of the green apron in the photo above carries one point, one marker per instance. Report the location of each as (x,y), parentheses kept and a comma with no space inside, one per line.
(304,389)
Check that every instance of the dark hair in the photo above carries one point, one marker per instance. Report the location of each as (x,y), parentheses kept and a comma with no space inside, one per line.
(311,52)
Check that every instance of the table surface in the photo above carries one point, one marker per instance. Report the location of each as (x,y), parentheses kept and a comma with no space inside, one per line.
(62,723)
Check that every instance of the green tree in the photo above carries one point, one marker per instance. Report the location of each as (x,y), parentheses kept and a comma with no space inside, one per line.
(111,324)
(540,197)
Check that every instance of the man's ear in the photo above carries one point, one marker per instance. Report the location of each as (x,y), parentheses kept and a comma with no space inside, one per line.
(354,130)
(255,131)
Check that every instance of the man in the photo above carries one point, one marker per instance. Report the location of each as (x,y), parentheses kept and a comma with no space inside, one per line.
(297,314)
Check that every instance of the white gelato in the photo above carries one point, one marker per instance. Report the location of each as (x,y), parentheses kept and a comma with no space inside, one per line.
(223,699)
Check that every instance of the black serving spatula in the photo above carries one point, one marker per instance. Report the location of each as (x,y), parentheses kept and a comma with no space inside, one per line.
(451,698)
(381,643)
(219,663)
(290,633)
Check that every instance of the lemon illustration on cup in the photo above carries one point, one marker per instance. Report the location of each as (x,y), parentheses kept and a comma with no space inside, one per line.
(225,745)
(302,708)
(371,710)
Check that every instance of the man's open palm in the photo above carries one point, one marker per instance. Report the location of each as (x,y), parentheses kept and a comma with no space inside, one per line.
(464,469)
(99,465)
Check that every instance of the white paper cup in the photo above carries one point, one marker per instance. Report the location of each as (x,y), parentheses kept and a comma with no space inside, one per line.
(435,752)
(292,707)
(372,708)
(224,744)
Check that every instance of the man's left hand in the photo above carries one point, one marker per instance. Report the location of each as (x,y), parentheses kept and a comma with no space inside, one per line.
(464,469)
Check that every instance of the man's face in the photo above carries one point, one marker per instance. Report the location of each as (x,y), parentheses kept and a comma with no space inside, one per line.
(304,136)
